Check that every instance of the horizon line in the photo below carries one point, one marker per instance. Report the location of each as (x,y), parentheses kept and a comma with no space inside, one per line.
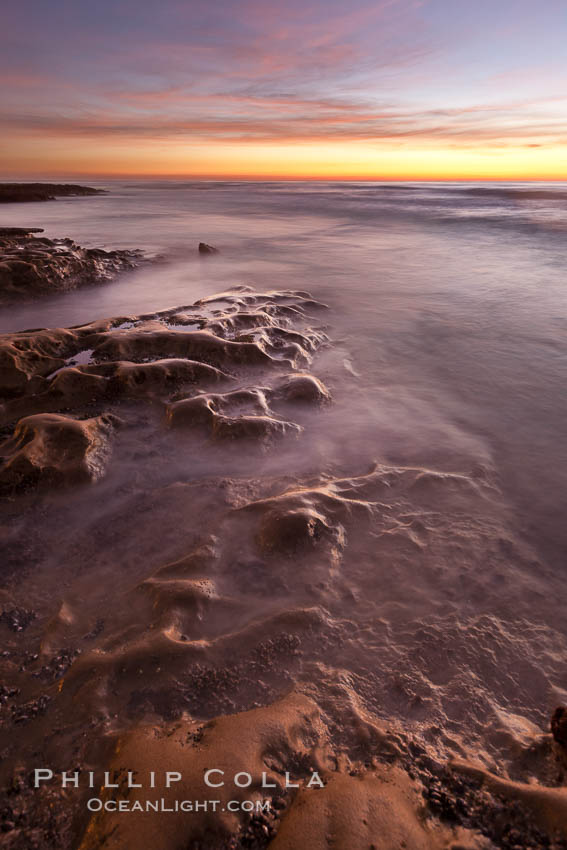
(278,178)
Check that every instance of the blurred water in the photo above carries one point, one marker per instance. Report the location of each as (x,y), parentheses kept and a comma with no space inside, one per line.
(467,241)
(450,300)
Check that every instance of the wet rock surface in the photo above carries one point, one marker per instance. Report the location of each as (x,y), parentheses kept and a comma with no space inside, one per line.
(207,249)
(57,450)
(31,265)
(166,357)
(187,599)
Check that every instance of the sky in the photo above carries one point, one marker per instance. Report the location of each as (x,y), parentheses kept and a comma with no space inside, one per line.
(295,89)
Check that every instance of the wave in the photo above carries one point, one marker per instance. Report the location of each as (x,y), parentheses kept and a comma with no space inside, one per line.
(516,194)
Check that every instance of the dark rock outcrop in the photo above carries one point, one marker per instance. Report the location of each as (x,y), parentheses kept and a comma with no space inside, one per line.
(207,249)
(15,193)
(559,726)
(15,232)
(31,266)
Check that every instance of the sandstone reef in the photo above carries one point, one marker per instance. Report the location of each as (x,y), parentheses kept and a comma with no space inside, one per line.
(175,358)
(218,609)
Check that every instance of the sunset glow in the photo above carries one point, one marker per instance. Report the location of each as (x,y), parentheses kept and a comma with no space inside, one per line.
(396,89)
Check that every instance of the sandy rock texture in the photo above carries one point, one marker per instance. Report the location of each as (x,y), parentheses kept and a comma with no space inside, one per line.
(55,449)
(279,746)
(193,585)
(52,378)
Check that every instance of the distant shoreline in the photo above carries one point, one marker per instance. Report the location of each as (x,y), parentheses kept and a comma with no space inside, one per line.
(420,180)
(15,193)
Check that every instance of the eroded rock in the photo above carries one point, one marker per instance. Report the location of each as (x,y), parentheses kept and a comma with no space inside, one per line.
(207,249)
(173,355)
(303,389)
(32,266)
(233,415)
(54,449)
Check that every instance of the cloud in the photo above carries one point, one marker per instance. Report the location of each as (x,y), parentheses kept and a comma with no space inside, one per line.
(249,72)
(288,119)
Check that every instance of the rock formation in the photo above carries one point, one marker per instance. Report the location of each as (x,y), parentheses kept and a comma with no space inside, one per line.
(31,265)
(207,249)
(15,193)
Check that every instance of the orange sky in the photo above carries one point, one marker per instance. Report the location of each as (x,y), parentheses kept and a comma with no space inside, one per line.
(307,160)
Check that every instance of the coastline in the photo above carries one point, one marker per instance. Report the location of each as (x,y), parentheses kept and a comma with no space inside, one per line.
(17,193)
